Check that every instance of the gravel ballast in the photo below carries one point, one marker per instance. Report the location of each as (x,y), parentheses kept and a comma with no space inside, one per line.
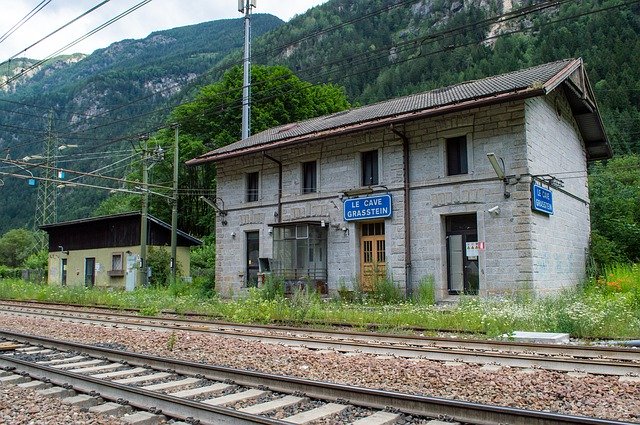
(596,396)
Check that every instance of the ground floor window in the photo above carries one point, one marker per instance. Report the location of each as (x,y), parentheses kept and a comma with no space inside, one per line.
(300,252)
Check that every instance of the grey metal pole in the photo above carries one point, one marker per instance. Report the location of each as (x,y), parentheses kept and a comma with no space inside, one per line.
(246,85)
(174,208)
(145,211)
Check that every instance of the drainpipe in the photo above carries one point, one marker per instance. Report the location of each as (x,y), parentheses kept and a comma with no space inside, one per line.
(279,184)
(407,209)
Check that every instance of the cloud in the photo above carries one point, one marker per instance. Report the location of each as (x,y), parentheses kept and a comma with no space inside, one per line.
(154,16)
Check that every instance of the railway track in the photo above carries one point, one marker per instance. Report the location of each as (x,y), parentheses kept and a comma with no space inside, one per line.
(565,358)
(193,392)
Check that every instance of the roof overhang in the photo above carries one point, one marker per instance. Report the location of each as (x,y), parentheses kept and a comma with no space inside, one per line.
(366,125)
(571,78)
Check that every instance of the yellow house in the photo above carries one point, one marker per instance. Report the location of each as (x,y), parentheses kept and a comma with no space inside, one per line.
(105,251)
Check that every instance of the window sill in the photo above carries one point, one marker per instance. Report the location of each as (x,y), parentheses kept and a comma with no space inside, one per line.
(115,273)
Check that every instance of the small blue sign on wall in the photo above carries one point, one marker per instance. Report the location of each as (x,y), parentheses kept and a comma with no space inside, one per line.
(541,199)
(368,207)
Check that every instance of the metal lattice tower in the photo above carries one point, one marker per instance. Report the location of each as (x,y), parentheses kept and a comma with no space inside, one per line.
(46,211)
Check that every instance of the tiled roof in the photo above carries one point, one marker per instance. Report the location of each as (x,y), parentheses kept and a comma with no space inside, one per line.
(534,81)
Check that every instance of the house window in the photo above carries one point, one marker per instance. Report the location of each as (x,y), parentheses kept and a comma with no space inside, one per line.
(457,155)
(117,264)
(252,186)
(300,252)
(309,177)
(369,168)
(116,261)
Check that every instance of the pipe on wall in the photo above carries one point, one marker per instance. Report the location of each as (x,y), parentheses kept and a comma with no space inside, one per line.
(407,208)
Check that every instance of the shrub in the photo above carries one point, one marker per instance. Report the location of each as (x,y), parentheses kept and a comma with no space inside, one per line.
(425,293)
(37,260)
(602,253)
(159,260)
(273,288)
(385,291)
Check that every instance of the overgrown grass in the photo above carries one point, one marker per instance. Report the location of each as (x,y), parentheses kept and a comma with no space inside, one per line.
(608,307)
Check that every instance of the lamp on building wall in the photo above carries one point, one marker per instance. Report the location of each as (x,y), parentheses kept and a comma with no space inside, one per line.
(62,250)
(500,170)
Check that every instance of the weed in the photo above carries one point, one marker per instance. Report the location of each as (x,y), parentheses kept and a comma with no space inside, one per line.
(425,293)
(171,341)
(273,288)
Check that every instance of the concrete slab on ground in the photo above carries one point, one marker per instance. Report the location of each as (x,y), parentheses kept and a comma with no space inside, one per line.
(538,337)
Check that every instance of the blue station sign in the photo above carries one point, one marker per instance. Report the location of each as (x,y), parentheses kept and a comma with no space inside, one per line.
(368,207)
(541,199)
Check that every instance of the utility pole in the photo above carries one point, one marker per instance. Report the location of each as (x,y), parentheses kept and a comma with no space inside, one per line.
(244,6)
(46,211)
(145,211)
(174,207)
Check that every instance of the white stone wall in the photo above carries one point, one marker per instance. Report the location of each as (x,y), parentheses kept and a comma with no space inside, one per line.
(515,255)
(560,241)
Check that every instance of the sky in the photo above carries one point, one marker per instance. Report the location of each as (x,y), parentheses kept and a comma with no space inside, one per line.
(154,16)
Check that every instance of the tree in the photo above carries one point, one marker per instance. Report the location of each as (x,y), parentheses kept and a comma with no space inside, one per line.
(278,97)
(213,120)
(15,247)
(614,189)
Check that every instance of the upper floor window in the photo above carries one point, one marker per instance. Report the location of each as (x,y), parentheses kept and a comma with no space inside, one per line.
(369,162)
(457,155)
(309,177)
(252,186)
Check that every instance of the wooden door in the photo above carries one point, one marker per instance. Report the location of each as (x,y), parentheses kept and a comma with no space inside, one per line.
(89,272)
(372,255)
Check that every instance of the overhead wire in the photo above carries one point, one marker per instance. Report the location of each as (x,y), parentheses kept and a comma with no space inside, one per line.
(431,36)
(76,41)
(57,30)
(33,12)
(349,60)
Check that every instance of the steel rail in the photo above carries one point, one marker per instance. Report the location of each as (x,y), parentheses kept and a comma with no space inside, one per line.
(408,403)
(412,347)
(138,397)
(582,351)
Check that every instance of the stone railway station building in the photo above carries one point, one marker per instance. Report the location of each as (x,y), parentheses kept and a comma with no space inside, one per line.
(481,186)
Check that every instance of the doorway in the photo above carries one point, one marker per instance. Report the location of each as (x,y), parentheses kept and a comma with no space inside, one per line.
(63,268)
(462,262)
(252,256)
(373,263)
(89,272)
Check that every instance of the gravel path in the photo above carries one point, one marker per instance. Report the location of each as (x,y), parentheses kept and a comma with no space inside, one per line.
(597,396)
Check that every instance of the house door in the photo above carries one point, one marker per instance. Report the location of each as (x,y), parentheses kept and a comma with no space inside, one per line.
(372,255)
(63,268)
(252,255)
(89,272)
(130,274)
(462,266)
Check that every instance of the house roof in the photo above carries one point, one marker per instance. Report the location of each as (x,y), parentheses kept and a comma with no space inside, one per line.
(535,81)
(188,237)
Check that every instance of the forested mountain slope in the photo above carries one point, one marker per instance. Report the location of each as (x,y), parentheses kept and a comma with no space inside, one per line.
(99,98)
(376,49)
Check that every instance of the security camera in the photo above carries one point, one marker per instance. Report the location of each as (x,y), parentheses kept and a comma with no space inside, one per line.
(494,210)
